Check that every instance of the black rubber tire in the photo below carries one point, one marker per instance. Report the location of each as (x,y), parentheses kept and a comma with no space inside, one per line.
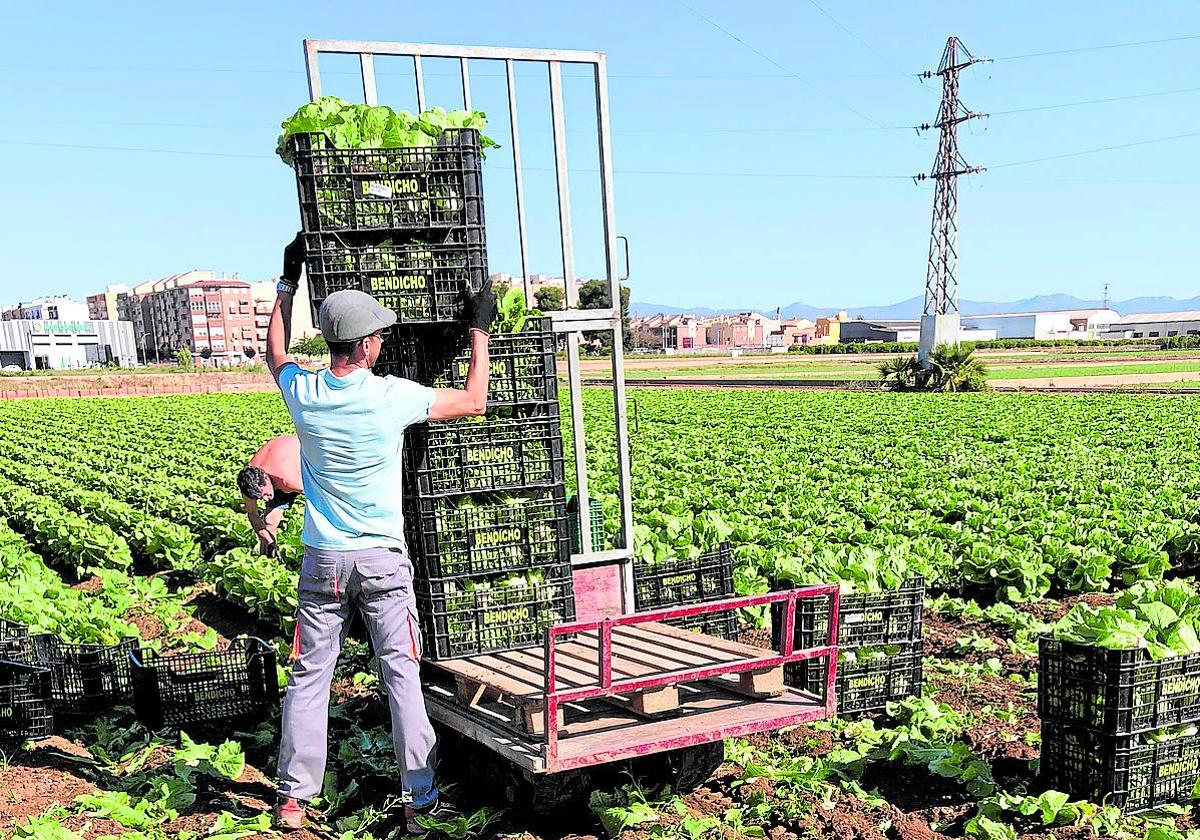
(683,769)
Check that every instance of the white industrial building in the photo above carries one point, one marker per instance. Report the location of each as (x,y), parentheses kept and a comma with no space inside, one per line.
(1155,325)
(1075,324)
(49,344)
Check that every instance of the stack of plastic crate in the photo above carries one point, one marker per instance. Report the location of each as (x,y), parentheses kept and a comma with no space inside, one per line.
(404,225)
(484,498)
(1118,726)
(880,650)
(697,580)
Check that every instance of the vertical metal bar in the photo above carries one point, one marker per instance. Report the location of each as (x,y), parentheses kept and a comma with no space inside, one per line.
(367,62)
(614,284)
(420,78)
(571,295)
(518,181)
(604,664)
(835,608)
(310,66)
(787,638)
(466,83)
(550,707)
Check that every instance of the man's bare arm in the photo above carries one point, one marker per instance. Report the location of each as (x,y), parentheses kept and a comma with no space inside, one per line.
(452,403)
(256,520)
(279,333)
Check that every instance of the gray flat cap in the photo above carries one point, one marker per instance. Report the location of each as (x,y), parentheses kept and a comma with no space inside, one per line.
(349,315)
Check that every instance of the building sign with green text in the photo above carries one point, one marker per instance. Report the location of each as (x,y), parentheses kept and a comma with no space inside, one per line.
(62,327)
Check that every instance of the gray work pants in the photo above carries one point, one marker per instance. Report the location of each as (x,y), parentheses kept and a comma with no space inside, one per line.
(379,582)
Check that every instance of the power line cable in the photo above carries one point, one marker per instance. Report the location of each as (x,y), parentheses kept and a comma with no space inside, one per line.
(1098,47)
(1098,149)
(548,169)
(871,49)
(785,69)
(474,75)
(1127,98)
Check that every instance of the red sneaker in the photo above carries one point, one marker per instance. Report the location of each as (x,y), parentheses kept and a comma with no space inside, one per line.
(289,814)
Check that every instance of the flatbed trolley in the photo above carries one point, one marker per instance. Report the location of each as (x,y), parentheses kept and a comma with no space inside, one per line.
(614,685)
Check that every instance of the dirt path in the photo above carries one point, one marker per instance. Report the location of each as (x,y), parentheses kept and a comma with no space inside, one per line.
(1114,381)
(132,385)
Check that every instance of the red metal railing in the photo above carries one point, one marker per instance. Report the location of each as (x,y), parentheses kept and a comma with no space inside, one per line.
(607,686)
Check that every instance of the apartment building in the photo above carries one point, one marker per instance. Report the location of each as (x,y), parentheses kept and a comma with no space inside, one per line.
(109,304)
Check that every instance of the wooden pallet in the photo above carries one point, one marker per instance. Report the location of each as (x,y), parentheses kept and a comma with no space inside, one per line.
(508,687)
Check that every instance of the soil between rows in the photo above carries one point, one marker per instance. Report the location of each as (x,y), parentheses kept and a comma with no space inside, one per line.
(917,806)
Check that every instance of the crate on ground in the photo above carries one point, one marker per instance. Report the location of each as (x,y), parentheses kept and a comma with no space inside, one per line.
(423,188)
(422,282)
(1131,772)
(864,619)
(673,583)
(867,678)
(1115,691)
(86,679)
(201,688)
(595,522)
(469,456)
(522,368)
(483,615)
(26,711)
(14,641)
(452,536)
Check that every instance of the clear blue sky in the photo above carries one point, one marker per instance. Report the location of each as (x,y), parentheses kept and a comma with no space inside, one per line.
(715,146)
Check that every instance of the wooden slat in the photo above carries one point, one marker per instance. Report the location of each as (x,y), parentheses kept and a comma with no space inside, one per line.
(682,649)
(712,642)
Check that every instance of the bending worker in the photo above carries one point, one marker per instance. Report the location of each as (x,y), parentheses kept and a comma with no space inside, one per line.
(351,428)
(273,478)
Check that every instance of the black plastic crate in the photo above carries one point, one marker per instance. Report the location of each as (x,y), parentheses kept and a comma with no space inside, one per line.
(199,688)
(864,683)
(420,188)
(723,625)
(422,282)
(595,522)
(458,622)
(474,455)
(1127,771)
(14,641)
(452,536)
(26,713)
(1115,691)
(885,618)
(709,577)
(86,679)
(522,367)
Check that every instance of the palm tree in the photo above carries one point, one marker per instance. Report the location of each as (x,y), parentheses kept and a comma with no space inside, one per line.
(953,367)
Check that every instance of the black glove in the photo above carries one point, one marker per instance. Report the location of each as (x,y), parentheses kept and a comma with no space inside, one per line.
(293,260)
(481,309)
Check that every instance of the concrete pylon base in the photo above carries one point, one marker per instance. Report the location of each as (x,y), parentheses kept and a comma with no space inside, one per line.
(935,330)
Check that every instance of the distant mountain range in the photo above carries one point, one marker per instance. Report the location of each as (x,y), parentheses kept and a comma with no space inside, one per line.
(911,308)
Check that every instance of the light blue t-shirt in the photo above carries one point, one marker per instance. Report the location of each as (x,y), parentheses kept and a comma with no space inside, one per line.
(351,431)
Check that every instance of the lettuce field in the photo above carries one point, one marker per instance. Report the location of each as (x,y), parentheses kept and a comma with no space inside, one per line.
(120,518)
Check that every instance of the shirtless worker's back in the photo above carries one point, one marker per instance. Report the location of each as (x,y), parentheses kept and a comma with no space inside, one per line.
(272,477)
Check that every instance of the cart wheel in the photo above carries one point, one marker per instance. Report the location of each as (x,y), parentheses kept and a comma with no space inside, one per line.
(683,770)
(487,776)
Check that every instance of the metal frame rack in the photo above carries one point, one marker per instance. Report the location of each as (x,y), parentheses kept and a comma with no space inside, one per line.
(572,321)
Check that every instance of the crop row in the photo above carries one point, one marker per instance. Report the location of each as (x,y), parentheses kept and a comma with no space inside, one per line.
(35,595)
(1015,494)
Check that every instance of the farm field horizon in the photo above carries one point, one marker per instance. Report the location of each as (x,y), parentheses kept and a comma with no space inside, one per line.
(123,519)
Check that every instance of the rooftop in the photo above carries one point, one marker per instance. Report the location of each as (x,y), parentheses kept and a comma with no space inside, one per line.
(1158,317)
